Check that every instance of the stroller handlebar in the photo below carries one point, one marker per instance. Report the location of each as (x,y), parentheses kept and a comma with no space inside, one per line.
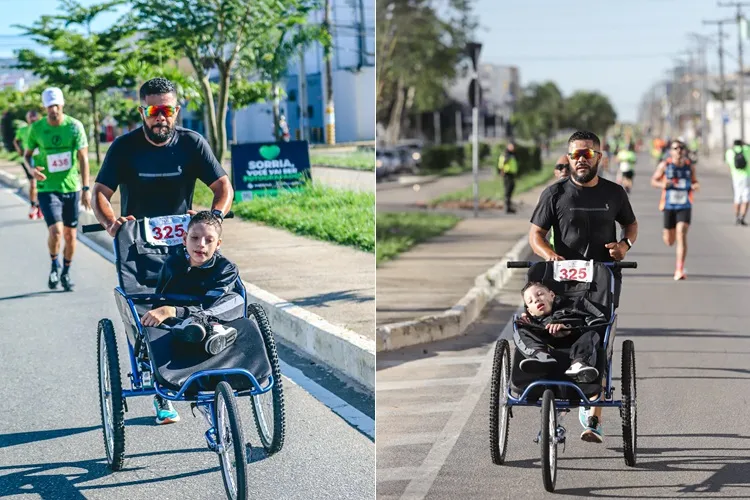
(93,228)
(524,264)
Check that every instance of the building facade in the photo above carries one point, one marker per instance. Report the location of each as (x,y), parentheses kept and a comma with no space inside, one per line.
(353,67)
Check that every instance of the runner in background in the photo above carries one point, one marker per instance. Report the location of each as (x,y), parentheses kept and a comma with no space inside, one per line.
(19,142)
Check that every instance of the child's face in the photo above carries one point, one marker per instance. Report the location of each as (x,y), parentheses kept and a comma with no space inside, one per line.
(538,300)
(201,242)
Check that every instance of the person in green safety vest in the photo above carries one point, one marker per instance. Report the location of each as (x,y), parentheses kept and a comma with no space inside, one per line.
(738,159)
(507,165)
(626,159)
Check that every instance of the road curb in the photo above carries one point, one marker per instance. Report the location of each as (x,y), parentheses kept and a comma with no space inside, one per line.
(341,349)
(454,321)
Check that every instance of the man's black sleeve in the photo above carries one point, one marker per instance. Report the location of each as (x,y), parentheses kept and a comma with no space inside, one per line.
(625,216)
(544,213)
(209,169)
(109,174)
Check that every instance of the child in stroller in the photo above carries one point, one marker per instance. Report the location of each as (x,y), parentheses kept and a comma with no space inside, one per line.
(198,269)
(549,322)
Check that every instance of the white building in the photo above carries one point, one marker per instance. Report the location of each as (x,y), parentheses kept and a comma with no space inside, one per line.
(353,64)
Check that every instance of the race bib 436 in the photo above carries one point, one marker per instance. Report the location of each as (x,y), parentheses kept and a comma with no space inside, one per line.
(59,162)
(167,230)
(574,270)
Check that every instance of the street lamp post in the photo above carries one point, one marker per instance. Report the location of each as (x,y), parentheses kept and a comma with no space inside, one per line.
(474,48)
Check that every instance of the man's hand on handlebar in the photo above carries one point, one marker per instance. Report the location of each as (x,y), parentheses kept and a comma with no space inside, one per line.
(114,226)
(553,256)
(617,250)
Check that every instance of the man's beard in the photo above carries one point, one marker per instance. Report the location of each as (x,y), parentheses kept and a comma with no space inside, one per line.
(163,135)
(587,177)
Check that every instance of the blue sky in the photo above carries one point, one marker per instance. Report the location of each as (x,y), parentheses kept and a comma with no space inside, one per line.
(617,47)
(25,12)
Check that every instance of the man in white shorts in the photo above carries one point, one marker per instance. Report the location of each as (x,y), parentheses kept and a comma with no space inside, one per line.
(738,159)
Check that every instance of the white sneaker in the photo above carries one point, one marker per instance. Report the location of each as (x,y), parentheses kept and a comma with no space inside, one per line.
(581,372)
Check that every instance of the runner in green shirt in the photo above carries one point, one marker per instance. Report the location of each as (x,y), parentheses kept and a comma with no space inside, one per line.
(19,142)
(63,146)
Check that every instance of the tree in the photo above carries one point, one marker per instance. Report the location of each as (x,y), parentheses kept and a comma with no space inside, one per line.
(539,111)
(418,52)
(274,54)
(589,111)
(215,36)
(82,60)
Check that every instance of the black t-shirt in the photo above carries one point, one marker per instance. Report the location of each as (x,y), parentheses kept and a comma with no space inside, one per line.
(156,180)
(583,218)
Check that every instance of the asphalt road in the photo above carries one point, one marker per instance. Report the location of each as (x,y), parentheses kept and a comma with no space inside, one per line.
(692,349)
(51,444)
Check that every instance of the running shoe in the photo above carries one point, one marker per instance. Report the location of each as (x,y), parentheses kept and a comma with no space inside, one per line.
(539,362)
(220,338)
(165,412)
(581,372)
(680,275)
(54,278)
(67,282)
(593,432)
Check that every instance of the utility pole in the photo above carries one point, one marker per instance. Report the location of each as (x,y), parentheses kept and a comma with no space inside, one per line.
(330,115)
(741,78)
(723,85)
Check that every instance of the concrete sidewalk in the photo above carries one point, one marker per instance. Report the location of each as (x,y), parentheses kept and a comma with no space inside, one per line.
(335,285)
(437,275)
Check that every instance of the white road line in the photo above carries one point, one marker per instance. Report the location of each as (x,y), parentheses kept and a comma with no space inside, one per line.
(415,409)
(413,438)
(399,385)
(425,476)
(364,423)
(350,414)
(396,474)
(438,361)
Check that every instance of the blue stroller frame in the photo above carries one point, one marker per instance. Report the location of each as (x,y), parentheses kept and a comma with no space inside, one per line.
(557,394)
(249,367)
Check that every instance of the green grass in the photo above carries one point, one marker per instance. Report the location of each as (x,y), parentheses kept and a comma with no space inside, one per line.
(360,160)
(494,189)
(338,216)
(399,231)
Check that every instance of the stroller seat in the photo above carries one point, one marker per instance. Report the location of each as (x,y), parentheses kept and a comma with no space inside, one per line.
(176,361)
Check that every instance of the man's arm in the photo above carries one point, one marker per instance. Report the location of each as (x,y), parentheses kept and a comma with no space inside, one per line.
(17,145)
(540,245)
(83,161)
(101,195)
(657,180)
(223,194)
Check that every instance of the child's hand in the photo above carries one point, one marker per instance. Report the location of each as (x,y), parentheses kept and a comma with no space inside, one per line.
(156,317)
(524,318)
(554,328)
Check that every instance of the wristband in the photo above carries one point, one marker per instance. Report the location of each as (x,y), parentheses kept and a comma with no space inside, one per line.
(627,242)
(218,213)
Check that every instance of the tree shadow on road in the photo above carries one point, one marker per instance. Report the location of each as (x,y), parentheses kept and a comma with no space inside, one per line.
(322,300)
(56,480)
(726,470)
(29,295)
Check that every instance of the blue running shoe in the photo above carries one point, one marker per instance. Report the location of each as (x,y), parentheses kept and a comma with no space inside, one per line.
(593,432)
(165,412)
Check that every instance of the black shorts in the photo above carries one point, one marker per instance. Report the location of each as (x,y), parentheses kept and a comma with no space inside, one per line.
(60,207)
(672,217)
(629,174)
